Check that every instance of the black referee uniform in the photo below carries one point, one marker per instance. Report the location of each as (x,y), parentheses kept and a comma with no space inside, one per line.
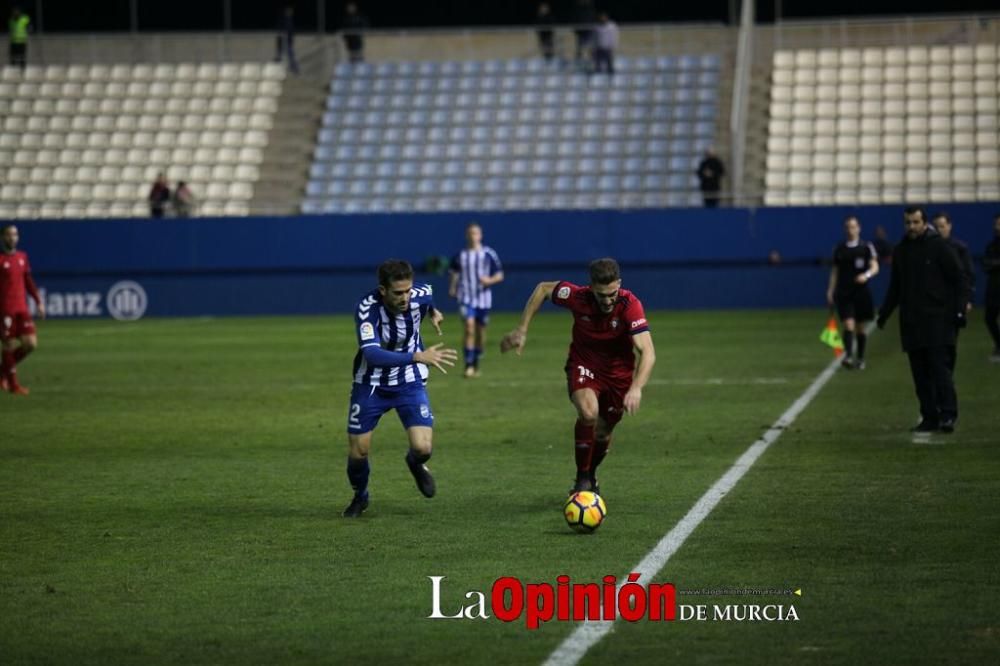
(853,300)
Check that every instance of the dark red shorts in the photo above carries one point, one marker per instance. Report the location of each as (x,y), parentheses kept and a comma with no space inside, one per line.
(16,325)
(610,390)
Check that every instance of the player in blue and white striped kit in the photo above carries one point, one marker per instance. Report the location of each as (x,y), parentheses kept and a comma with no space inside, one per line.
(390,372)
(474,271)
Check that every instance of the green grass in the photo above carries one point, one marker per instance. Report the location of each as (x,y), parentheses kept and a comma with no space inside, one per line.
(171,493)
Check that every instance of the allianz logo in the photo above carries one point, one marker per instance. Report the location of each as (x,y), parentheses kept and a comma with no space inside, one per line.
(125,301)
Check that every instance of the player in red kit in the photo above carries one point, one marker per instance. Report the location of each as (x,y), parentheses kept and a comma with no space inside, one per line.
(604,382)
(17,330)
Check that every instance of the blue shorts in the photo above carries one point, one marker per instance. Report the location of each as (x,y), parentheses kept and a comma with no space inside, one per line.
(481,315)
(369,403)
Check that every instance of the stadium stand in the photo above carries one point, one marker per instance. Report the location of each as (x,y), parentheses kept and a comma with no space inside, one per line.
(87,140)
(511,134)
(884,125)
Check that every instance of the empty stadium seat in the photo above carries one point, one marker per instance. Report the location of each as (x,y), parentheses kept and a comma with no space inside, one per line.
(98,134)
(893,122)
(502,134)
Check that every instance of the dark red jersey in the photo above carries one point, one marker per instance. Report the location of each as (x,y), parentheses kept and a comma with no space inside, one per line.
(602,342)
(16,283)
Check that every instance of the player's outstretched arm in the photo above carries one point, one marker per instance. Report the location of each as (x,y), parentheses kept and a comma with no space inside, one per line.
(516,338)
(437,357)
(643,343)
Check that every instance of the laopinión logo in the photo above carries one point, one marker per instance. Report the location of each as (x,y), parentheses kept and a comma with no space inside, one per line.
(510,599)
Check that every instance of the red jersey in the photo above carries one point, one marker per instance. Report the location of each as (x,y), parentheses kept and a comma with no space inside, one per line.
(15,283)
(602,342)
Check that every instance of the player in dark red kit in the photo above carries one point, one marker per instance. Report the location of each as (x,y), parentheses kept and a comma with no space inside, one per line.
(604,382)
(17,330)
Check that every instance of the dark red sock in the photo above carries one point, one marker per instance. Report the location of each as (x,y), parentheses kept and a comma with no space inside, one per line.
(19,354)
(7,368)
(584,447)
(600,451)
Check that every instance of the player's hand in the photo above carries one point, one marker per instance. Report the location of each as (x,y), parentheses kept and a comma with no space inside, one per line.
(513,340)
(437,357)
(968,308)
(41,310)
(860,278)
(632,400)
(484,281)
(436,320)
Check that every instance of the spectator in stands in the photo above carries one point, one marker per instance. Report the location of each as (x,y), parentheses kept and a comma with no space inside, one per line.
(183,200)
(883,246)
(546,32)
(18,26)
(286,38)
(710,172)
(159,195)
(605,43)
(583,22)
(354,39)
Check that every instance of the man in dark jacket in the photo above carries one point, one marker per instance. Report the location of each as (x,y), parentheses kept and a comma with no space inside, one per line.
(710,171)
(354,39)
(991,263)
(928,286)
(942,224)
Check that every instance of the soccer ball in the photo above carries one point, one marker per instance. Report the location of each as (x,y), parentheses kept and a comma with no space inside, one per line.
(585,511)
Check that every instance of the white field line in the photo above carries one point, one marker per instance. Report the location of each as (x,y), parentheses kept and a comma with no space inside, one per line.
(588,633)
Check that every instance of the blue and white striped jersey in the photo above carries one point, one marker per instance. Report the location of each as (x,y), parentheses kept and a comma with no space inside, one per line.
(470,266)
(375,325)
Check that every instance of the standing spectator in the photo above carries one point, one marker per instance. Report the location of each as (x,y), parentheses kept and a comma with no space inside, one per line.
(928,286)
(18,27)
(286,38)
(710,172)
(583,28)
(183,200)
(546,32)
(159,195)
(991,262)
(883,246)
(354,39)
(605,43)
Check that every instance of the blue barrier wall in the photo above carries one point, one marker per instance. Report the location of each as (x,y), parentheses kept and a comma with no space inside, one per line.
(677,258)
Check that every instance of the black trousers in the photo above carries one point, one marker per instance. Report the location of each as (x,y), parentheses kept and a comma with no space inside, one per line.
(932,379)
(604,59)
(18,55)
(992,313)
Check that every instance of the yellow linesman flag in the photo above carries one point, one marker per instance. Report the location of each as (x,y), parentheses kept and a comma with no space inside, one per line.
(831,336)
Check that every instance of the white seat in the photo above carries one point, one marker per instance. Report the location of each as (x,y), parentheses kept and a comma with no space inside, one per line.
(828,58)
(985,70)
(783,60)
(917,55)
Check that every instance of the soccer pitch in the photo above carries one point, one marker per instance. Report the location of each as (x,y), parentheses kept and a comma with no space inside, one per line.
(171,493)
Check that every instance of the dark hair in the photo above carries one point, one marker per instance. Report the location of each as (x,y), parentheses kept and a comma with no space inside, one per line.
(7,226)
(850,217)
(394,270)
(604,271)
(913,210)
(943,214)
